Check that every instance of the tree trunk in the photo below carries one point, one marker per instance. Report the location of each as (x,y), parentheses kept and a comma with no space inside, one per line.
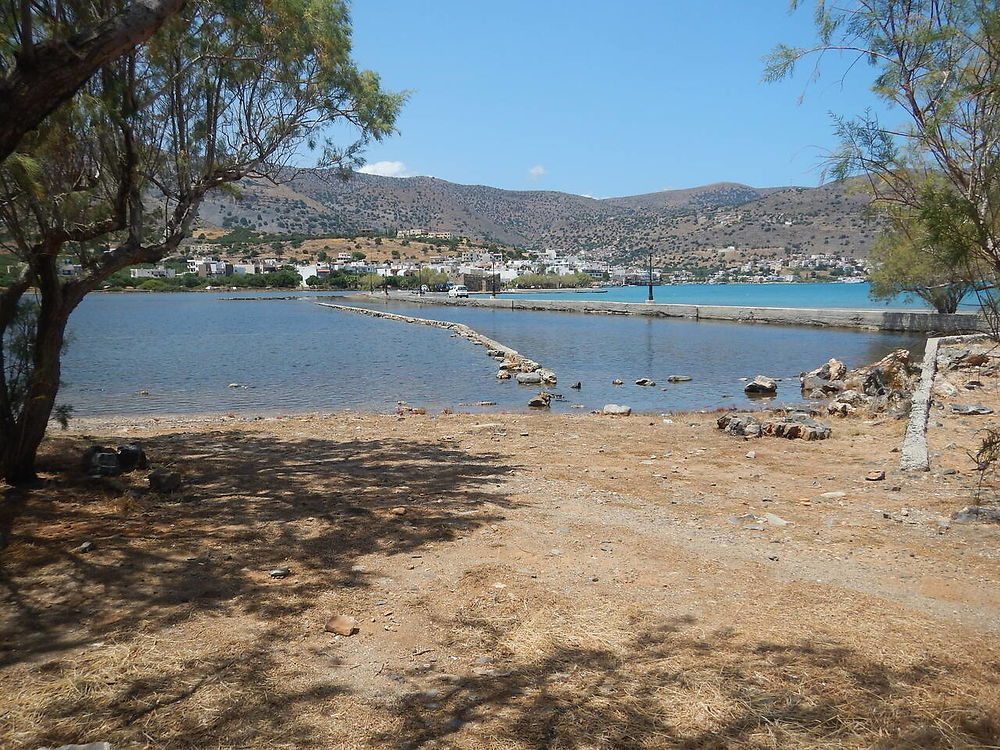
(19,448)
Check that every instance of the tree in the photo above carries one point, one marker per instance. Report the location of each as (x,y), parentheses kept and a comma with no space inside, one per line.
(118,173)
(905,263)
(938,64)
(51,50)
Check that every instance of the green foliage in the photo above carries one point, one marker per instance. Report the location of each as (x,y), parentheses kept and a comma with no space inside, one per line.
(936,61)
(222,91)
(552,281)
(358,255)
(902,263)
(62,414)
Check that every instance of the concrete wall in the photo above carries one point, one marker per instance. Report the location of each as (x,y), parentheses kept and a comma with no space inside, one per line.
(916,321)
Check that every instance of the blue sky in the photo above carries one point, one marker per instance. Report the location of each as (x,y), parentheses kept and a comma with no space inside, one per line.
(598,98)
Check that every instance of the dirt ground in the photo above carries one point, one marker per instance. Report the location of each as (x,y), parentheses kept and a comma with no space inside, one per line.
(519,581)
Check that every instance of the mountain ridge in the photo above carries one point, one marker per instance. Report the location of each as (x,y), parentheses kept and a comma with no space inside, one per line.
(676,222)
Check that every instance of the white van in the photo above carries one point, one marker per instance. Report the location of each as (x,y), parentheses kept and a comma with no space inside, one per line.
(459,291)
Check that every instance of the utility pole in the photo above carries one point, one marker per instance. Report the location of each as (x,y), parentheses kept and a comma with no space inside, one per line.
(650,297)
(493,276)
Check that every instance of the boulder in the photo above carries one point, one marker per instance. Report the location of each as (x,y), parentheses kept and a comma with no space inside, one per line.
(528,378)
(875,382)
(944,389)
(970,409)
(541,401)
(503,374)
(745,425)
(132,457)
(976,513)
(100,461)
(342,625)
(162,480)
(796,425)
(548,376)
(813,384)
(678,378)
(616,381)
(616,410)
(761,386)
(645,381)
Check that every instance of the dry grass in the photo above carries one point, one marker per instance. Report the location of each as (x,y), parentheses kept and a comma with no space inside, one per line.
(578,596)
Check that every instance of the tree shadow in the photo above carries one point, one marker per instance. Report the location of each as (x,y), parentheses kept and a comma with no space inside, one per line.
(667,687)
(248,504)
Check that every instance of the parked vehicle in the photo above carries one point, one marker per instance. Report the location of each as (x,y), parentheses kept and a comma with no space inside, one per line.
(458,291)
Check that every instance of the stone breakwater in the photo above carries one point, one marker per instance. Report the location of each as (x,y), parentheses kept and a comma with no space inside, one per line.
(913,321)
(511,358)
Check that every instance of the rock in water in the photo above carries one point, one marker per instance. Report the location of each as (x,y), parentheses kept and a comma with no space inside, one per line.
(761,386)
(528,378)
(548,377)
(541,401)
(342,625)
(644,381)
(678,378)
(577,385)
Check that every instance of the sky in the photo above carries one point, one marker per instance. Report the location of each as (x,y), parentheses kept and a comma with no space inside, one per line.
(602,99)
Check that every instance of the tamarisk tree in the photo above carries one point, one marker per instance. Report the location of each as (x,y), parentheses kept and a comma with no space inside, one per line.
(53,48)
(936,173)
(225,90)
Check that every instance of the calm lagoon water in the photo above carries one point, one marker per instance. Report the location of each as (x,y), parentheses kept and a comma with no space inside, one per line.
(851,296)
(292,355)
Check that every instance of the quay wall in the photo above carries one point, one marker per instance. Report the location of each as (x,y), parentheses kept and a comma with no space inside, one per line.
(911,321)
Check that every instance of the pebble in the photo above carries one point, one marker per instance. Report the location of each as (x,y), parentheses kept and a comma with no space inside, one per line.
(875,476)
(342,625)
(280,573)
(398,511)
(85,547)
(751,454)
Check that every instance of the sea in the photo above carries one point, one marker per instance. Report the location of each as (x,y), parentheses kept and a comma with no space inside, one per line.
(233,352)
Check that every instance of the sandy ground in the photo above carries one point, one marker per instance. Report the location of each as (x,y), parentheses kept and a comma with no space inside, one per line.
(519,581)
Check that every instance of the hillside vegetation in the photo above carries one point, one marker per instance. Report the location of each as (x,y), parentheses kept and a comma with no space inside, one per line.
(675,224)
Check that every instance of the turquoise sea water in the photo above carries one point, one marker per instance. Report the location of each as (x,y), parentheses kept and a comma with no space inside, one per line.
(853,296)
(185,350)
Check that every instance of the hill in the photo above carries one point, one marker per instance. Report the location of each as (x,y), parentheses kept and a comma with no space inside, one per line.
(672,223)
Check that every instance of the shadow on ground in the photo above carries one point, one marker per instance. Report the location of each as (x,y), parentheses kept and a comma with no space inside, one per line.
(248,504)
(666,686)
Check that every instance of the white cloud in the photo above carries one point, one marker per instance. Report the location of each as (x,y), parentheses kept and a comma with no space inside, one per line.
(386,169)
(537,171)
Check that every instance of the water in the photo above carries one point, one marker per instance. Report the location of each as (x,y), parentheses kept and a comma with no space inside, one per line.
(851,296)
(185,350)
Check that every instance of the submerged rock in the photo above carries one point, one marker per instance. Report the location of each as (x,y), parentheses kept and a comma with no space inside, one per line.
(761,386)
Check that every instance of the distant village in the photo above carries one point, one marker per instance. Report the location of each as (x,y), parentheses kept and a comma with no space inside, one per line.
(488,268)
